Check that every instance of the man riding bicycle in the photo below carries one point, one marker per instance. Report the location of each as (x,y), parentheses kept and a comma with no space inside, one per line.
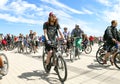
(111,37)
(77,32)
(51,29)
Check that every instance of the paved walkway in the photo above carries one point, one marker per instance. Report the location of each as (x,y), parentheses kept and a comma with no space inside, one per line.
(28,69)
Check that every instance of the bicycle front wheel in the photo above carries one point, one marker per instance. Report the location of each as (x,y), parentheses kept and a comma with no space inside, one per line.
(5,64)
(61,69)
(44,58)
(100,55)
(117,60)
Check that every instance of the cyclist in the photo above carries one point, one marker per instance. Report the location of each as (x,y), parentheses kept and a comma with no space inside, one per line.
(9,40)
(21,41)
(112,37)
(35,41)
(51,29)
(4,43)
(91,39)
(77,32)
(66,34)
(31,34)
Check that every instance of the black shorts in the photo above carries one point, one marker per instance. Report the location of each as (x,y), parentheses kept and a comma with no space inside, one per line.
(36,43)
(48,47)
(109,47)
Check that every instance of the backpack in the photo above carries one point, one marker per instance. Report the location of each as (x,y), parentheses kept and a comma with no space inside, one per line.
(105,36)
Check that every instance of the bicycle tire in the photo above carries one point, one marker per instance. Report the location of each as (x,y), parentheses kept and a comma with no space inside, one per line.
(60,58)
(117,60)
(88,52)
(5,60)
(99,56)
(44,62)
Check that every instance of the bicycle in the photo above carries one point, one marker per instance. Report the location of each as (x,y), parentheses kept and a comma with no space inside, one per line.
(57,61)
(76,48)
(87,49)
(116,59)
(4,64)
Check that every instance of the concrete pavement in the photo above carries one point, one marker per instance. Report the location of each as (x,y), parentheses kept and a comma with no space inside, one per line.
(28,69)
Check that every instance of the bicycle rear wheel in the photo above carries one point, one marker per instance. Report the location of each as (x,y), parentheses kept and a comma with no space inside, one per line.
(61,69)
(5,67)
(117,60)
(88,49)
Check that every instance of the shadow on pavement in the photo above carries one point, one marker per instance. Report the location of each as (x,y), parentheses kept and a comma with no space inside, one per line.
(37,75)
(98,66)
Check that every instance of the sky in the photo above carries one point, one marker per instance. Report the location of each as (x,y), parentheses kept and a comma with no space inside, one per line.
(93,16)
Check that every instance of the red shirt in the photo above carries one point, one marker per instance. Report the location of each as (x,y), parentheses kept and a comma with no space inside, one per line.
(91,38)
(4,42)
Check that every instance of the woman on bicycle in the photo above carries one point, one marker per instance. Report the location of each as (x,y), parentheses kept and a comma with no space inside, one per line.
(51,29)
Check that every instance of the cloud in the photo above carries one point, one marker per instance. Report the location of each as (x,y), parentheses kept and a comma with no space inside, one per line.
(10,18)
(19,11)
(3,2)
(21,7)
(86,11)
(113,13)
(105,2)
(63,6)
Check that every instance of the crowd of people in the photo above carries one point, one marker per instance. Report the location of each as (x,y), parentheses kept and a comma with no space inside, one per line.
(9,41)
